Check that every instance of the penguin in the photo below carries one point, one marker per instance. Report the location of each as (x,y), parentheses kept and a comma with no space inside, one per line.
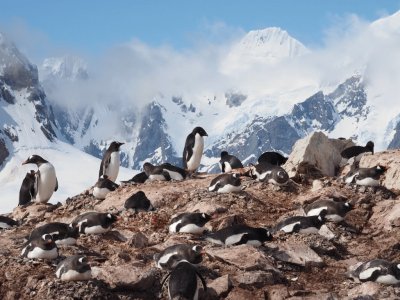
(94,222)
(226,183)
(138,178)
(155,172)
(74,268)
(170,256)
(6,222)
(139,201)
(61,233)
(229,162)
(269,173)
(273,158)
(27,190)
(378,270)
(357,150)
(239,234)
(335,211)
(103,186)
(110,163)
(46,179)
(189,223)
(365,176)
(41,247)
(301,224)
(193,149)
(174,172)
(183,282)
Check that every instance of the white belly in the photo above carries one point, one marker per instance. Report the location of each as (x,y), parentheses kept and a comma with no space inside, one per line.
(366,274)
(164,259)
(172,227)
(46,183)
(72,275)
(192,228)
(367,182)
(156,178)
(316,211)
(4,225)
(309,230)
(67,241)
(113,167)
(233,239)
(215,241)
(289,228)
(387,279)
(96,229)
(194,161)
(228,167)
(43,254)
(174,175)
(228,188)
(100,193)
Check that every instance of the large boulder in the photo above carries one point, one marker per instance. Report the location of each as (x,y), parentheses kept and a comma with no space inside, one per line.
(389,159)
(316,154)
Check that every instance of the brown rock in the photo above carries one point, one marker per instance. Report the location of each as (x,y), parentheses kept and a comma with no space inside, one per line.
(257,279)
(138,240)
(277,292)
(220,287)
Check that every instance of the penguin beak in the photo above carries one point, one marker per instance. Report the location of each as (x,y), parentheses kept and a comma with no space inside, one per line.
(25,162)
(203,252)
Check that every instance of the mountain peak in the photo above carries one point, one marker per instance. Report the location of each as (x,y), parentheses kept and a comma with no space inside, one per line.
(66,67)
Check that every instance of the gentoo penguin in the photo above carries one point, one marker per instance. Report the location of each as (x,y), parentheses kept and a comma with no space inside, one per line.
(42,247)
(103,186)
(356,150)
(183,282)
(239,234)
(365,176)
(189,223)
(193,149)
(174,172)
(301,224)
(269,173)
(155,172)
(46,179)
(378,270)
(138,178)
(226,183)
(27,190)
(229,162)
(335,211)
(169,257)
(74,268)
(6,222)
(110,163)
(94,222)
(139,202)
(61,233)
(273,158)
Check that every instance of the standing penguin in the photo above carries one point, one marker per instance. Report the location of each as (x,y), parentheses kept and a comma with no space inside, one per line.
(183,282)
(27,190)
(110,163)
(46,179)
(229,162)
(193,149)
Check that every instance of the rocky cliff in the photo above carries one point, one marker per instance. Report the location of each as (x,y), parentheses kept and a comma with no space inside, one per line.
(298,266)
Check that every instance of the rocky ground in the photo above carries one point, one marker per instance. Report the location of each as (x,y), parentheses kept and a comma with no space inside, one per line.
(294,266)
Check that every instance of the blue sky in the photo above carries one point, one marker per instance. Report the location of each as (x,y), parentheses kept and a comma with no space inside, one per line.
(93,26)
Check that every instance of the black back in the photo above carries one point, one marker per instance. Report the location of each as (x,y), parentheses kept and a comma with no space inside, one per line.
(8,221)
(114,146)
(138,201)
(386,268)
(273,158)
(357,150)
(183,281)
(224,179)
(64,231)
(138,178)
(104,182)
(252,233)
(27,190)
(231,159)
(333,207)
(168,166)
(181,252)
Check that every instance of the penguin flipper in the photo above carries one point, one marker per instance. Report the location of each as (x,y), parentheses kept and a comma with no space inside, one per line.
(166,175)
(56,187)
(202,280)
(105,162)
(188,151)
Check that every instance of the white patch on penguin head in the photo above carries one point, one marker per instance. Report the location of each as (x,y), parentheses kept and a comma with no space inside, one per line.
(320,218)
(82,260)
(203,215)
(347,204)
(109,216)
(398,266)
(235,175)
(197,248)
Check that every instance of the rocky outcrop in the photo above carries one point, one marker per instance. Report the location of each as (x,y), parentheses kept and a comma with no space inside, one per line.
(316,154)
(389,159)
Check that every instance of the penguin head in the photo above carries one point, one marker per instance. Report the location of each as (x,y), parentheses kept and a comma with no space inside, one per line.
(348,206)
(267,235)
(73,231)
(206,217)
(370,146)
(47,239)
(224,154)
(114,146)
(147,168)
(198,249)
(82,260)
(321,217)
(282,176)
(200,131)
(380,169)
(110,218)
(35,159)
